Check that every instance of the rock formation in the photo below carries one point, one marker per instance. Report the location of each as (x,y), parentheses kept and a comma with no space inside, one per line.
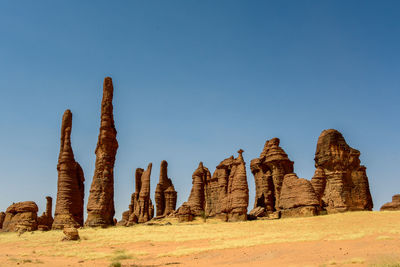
(100,205)
(141,208)
(2,216)
(297,197)
(185,213)
(70,186)
(46,220)
(165,195)
(233,191)
(71,233)
(269,170)
(346,187)
(318,182)
(394,205)
(197,199)
(21,216)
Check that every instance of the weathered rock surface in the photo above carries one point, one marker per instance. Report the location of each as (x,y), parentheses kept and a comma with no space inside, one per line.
(71,233)
(269,170)
(70,186)
(185,214)
(141,208)
(318,182)
(197,199)
(100,205)
(46,220)
(394,205)
(347,187)
(21,216)
(233,191)
(297,197)
(165,195)
(2,216)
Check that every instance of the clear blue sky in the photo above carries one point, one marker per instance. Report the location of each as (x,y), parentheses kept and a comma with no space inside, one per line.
(195,81)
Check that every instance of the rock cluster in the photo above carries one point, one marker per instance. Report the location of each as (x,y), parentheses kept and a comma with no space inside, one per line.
(70,186)
(394,205)
(269,171)
(46,220)
(346,183)
(165,196)
(21,216)
(100,207)
(141,208)
(297,197)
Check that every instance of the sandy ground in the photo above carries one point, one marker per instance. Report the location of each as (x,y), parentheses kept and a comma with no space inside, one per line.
(368,246)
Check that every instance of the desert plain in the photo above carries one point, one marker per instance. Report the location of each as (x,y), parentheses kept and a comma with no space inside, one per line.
(365,238)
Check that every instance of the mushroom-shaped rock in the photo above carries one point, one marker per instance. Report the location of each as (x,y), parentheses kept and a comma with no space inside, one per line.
(21,216)
(100,207)
(347,187)
(297,197)
(394,205)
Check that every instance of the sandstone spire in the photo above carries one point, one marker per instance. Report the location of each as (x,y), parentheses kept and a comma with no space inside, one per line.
(70,186)
(100,206)
(46,220)
(165,195)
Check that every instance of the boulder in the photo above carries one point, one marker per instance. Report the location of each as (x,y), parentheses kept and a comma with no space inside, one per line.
(297,198)
(70,186)
(394,205)
(21,216)
(71,234)
(184,213)
(100,207)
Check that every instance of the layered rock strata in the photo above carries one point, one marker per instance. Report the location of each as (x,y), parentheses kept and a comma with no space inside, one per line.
(269,171)
(165,195)
(100,207)
(346,187)
(233,192)
(141,208)
(297,197)
(21,216)
(70,185)
(197,202)
(394,205)
(45,221)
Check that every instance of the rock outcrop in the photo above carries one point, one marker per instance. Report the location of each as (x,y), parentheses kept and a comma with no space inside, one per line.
(46,220)
(269,170)
(197,200)
(346,187)
(2,216)
(100,207)
(70,185)
(297,197)
(141,208)
(185,213)
(165,196)
(21,216)
(233,191)
(394,205)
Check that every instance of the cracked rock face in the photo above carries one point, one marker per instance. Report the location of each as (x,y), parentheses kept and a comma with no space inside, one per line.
(233,192)
(100,205)
(394,205)
(346,187)
(165,195)
(297,197)
(21,216)
(269,171)
(70,185)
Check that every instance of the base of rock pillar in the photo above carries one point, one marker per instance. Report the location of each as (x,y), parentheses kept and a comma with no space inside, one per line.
(306,211)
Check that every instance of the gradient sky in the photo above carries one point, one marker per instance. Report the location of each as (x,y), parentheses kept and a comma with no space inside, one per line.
(195,81)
